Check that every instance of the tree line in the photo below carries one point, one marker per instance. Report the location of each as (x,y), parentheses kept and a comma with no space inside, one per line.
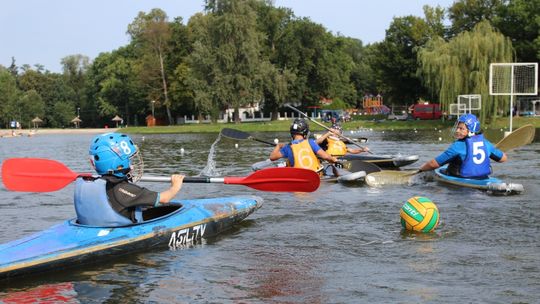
(237,52)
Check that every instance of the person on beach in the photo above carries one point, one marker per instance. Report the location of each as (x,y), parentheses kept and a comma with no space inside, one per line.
(301,152)
(112,199)
(469,156)
(333,145)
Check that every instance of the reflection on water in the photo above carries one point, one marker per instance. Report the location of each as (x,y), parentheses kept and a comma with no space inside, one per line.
(336,245)
(48,293)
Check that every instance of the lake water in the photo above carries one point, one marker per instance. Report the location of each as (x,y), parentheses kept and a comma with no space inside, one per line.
(340,244)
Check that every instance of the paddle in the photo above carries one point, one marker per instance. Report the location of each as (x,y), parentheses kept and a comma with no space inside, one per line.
(518,138)
(390,177)
(237,134)
(45,175)
(355,165)
(327,128)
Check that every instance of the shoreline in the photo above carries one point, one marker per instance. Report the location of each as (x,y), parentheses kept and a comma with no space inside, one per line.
(32,132)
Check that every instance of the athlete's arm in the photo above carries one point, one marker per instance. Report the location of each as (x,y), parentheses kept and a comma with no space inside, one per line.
(176,184)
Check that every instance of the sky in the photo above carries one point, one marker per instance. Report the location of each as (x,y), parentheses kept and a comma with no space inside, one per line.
(45,31)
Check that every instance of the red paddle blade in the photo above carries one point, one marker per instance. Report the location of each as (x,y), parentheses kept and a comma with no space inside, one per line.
(279,180)
(35,175)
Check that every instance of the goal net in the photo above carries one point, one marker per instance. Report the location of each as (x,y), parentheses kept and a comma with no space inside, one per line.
(470,102)
(456,109)
(519,78)
(513,79)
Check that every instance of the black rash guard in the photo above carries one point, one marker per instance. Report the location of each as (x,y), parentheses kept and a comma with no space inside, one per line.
(125,196)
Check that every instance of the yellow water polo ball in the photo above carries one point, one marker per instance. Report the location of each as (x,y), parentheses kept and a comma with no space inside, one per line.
(419,214)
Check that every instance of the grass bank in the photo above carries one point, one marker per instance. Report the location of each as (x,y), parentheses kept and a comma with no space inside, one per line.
(283,126)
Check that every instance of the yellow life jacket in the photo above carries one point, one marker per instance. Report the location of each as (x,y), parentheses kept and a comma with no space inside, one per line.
(336,147)
(304,157)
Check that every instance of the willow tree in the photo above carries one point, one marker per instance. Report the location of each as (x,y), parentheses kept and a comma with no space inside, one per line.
(461,66)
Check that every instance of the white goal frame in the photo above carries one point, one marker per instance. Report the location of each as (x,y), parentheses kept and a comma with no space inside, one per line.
(509,81)
(457,109)
(473,102)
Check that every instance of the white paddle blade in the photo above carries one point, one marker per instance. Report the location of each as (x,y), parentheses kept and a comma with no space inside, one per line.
(389,177)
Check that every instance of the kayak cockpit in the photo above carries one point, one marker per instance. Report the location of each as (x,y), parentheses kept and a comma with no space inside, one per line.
(148,215)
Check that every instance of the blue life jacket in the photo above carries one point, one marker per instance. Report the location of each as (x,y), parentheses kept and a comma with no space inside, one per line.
(476,163)
(93,208)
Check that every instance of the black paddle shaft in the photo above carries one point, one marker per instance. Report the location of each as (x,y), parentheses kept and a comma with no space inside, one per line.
(237,134)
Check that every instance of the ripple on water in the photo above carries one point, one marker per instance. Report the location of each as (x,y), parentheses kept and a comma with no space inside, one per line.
(336,245)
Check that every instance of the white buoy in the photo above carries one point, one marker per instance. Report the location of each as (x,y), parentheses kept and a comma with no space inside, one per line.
(383,132)
(182,151)
(440,138)
(236,146)
(440,131)
(276,141)
(142,138)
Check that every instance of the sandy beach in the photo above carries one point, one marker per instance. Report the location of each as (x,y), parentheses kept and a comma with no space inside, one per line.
(33,132)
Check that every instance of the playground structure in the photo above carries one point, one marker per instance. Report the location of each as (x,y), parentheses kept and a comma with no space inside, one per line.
(374,105)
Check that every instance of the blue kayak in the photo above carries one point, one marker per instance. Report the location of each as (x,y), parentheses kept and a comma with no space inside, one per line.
(179,224)
(490,184)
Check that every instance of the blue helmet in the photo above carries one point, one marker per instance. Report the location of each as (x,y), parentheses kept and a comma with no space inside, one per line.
(471,122)
(111,153)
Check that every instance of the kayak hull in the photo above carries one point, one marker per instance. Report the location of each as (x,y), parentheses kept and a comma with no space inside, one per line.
(383,161)
(491,184)
(70,243)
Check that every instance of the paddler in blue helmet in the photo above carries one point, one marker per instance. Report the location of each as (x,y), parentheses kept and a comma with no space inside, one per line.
(333,145)
(469,156)
(112,199)
(301,152)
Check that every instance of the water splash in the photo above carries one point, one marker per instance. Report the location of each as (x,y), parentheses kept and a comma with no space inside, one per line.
(210,169)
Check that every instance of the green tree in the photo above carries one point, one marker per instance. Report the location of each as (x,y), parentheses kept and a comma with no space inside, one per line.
(277,79)
(74,71)
(198,77)
(179,48)
(334,68)
(232,45)
(60,108)
(362,77)
(9,95)
(151,32)
(61,114)
(520,21)
(305,48)
(461,66)
(32,105)
(275,84)
(52,88)
(116,86)
(465,14)
(395,62)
